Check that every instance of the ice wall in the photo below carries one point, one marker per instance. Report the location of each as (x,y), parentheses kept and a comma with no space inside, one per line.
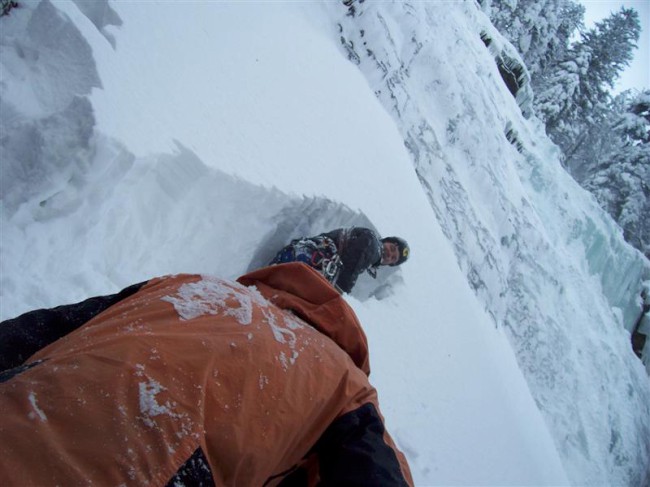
(549,265)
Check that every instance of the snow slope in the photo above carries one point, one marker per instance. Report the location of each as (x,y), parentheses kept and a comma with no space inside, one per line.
(140,139)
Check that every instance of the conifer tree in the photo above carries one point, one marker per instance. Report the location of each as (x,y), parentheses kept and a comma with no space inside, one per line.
(540,29)
(586,74)
(621,179)
(605,142)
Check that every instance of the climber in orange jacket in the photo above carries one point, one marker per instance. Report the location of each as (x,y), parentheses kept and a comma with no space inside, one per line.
(192,380)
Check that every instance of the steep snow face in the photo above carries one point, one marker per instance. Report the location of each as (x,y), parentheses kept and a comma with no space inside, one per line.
(46,66)
(223,130)
(548,264)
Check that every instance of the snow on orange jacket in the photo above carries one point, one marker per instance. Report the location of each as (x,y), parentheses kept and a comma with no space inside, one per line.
(252,373)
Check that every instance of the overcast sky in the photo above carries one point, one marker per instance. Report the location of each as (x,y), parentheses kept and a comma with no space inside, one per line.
(638,74)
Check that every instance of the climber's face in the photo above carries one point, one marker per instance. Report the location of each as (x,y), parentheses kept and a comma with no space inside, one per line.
(390,253)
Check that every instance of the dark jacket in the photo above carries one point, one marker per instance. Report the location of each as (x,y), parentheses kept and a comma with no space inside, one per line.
(360,249)
(196,380)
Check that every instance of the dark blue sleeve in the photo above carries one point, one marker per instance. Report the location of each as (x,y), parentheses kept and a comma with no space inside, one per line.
(22,337)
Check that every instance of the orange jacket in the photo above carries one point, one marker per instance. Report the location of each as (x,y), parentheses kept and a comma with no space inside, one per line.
(253,377)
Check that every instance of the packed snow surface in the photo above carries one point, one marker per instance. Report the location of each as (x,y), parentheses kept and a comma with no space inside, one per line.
(149,138)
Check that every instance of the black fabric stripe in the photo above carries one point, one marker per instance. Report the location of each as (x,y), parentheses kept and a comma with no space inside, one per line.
(352,452)
(292,477)
(296,478)
(11,373)
(195,472)
(22,337)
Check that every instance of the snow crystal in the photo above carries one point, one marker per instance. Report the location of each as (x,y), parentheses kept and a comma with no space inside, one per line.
(38,412)
(283,360)
(281,335)
(286,336)
(255,294)
(209,296)
(139,370)
(291,321)
(149,406)
(264,380)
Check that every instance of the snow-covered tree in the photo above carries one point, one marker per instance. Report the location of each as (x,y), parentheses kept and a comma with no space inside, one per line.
(634,125)
(571,81)
(612,42)
(621,179)
(558,91)
(6,6)
(604,140)
(539,29)
(574,99)
(589,70)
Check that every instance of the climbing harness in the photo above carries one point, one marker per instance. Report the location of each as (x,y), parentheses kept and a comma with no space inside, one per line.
(320,253)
